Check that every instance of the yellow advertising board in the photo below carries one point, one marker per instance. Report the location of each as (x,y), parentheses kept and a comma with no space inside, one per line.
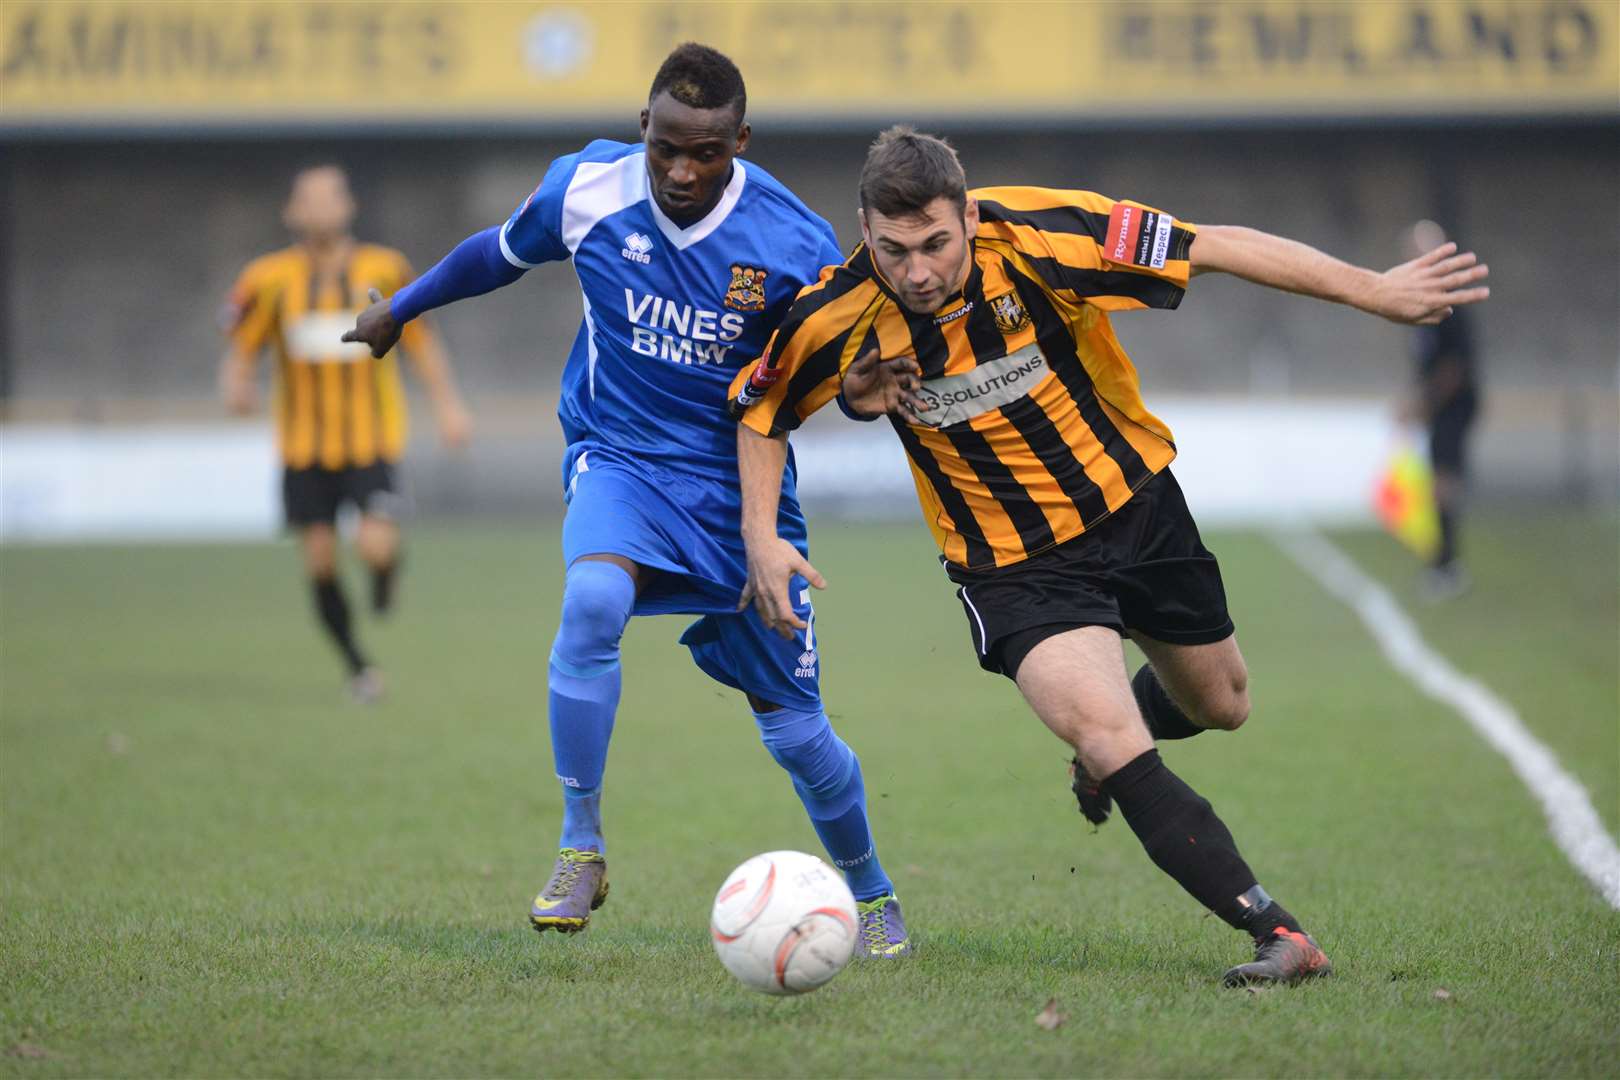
(106,62)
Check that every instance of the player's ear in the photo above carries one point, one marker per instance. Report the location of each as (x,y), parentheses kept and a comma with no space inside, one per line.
(866,234)
(744,133)
(645,114)
(970,216)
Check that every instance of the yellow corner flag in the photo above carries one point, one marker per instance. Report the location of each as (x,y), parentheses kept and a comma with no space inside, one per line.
(1404,500)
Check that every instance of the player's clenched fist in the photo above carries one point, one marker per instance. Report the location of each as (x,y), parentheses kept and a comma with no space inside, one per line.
(375,326)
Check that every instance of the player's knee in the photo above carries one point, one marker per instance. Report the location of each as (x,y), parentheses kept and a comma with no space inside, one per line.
(1074,724)
(1229,709)
(597,599)
(1106,747)
(378,542)
(804,743)
(1231,714)
(320,563)
(320,552)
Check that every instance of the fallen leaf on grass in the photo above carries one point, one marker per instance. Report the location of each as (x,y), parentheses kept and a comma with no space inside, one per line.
(27,1050)
(1442,994)
(1049,1018)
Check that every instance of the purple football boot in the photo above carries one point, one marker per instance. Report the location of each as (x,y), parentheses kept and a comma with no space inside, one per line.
(578,886)
(883,929)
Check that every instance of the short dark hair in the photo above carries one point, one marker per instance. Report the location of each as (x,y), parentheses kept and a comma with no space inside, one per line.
(701,77)
(906,170)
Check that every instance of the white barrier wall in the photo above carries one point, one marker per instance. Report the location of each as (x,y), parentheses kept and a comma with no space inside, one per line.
(1242,461)
(202,482)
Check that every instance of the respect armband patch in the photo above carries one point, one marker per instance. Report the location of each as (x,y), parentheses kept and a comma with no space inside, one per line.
(1137,236)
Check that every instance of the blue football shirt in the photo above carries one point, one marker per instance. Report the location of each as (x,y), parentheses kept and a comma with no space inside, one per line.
(671,313)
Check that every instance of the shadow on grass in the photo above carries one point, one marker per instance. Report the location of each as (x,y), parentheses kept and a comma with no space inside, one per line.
(514,952)
(629,951)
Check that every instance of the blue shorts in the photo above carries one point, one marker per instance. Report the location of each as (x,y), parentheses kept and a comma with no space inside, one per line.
(689,530)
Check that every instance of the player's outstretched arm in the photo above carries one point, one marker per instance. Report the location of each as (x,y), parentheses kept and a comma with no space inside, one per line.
(772,561)
(1424,290)
(432,366)
(475,267)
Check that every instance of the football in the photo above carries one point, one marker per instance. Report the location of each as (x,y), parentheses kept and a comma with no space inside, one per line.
(784,923)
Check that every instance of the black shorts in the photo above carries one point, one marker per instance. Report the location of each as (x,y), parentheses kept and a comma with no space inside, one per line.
(1448,432)
(312,496)
(1143,568)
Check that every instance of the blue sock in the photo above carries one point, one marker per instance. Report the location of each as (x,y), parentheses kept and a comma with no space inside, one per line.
(583,685)
(848,839)
(827,775)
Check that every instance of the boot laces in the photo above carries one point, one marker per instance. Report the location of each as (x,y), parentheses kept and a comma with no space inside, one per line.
(564,875)
(875,922)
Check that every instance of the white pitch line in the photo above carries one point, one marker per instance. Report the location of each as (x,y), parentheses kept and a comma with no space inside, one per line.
(1575,825)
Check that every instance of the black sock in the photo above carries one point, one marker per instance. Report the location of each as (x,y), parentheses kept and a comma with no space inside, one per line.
(382,586)
(1448,537)
(1186,840)
(1164,717)
(334,612)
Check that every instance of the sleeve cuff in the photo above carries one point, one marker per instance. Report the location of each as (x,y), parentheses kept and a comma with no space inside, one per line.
(511,256)
(845,407)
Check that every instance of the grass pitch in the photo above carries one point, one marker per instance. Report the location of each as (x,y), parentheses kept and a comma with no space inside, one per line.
(210,864)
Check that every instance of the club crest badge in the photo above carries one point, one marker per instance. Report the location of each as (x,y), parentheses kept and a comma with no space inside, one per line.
(747,289)
(1010,314)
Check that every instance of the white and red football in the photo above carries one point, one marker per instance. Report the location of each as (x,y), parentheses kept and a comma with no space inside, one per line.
(784,923)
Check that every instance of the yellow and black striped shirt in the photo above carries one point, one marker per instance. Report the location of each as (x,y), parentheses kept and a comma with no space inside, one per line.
(334,405)
(1042,431)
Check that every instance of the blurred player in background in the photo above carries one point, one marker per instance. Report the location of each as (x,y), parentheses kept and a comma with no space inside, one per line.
(979,322)
(1446,400)
(340,413)
(688,258)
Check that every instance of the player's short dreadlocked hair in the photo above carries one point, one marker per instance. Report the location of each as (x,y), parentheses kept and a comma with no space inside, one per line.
(701,77)
(906,170)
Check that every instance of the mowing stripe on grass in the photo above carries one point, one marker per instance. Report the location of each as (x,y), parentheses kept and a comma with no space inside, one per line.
(1574,823)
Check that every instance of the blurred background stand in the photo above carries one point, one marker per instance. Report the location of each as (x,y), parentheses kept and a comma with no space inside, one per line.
(146,148)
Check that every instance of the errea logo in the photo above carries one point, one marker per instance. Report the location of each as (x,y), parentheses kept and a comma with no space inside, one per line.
(637,248)
(807,659)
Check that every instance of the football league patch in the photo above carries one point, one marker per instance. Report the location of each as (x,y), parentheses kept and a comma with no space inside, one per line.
(747,289)
(1137,236)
